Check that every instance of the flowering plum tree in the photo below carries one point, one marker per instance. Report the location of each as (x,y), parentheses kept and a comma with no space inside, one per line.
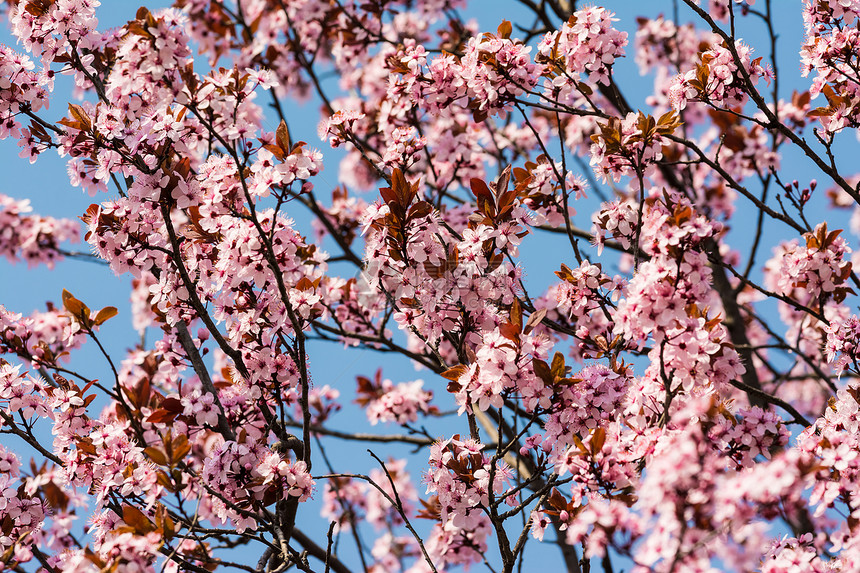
(671,402)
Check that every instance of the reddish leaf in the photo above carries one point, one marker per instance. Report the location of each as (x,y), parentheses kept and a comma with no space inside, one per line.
(597,440)
(172,405)
(517,315)
(565,273)
(557,367)
(75,307)
(180,446)
(480,189)
(388,195)
(161,416)
(105,314)
(455,372)
(535,319)
(156,455)
(401,187)
(136,519)
(510,331)
(542,371)
(305,284)
(81,116)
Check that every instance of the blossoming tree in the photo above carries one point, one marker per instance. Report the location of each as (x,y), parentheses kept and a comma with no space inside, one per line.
(674,401)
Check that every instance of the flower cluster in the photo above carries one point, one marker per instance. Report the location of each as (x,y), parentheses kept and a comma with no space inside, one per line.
(830,52)
(493,71)
(22,515)
(386,402)
(460,476)
(793,554)
(591,399)
(585,298)
(617,220)
(815,270)
(390,552)
(335,128)
(248,473)
(631,146)
(583,50)
(721,78)
(496,70)
(687,341)
(499,368)
(750,433)
(32,238)
(677,263)
(403,148)
(155,49)
(58,28)
(21,394)
(43,338)
(843,343)
(580,292)
(20,89)
(440,282)
(276,167)
(452,546)
(834,443)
